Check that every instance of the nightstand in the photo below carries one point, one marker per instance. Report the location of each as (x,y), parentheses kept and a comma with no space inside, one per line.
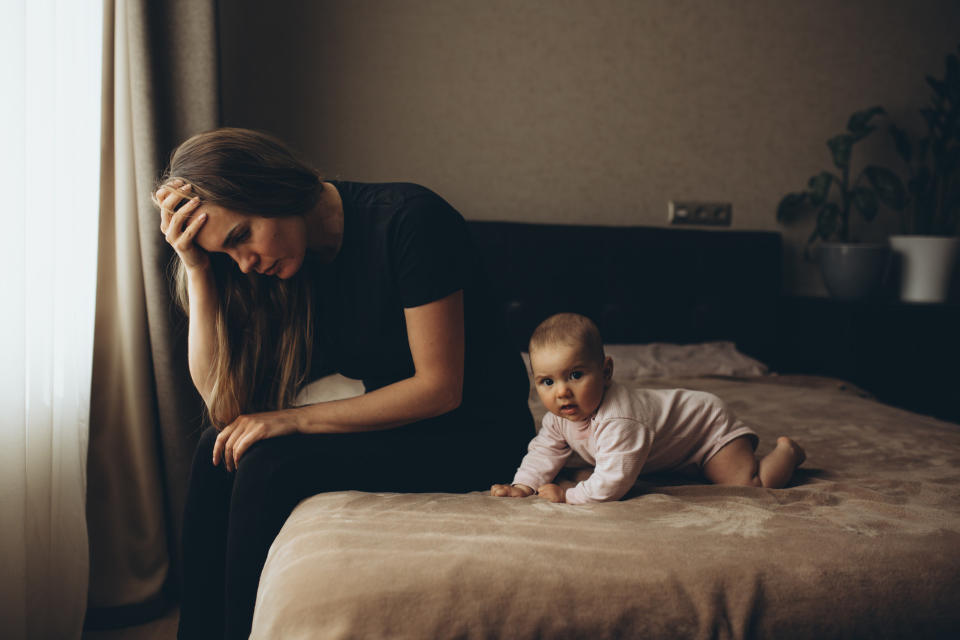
(907,355)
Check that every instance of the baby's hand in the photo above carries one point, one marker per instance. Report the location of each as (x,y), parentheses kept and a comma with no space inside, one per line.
(552,492)
(510,491)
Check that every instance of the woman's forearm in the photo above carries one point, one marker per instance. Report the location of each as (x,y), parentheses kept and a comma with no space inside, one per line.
(392,406)
(202,331)
(435,332)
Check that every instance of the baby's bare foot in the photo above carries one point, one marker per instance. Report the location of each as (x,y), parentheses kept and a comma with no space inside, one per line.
(798,453)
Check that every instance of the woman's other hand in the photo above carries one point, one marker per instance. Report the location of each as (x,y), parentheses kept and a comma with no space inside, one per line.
(242,433)
(180,225)
(510,491)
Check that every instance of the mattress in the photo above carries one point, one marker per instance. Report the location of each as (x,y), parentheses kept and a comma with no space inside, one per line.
(865,542)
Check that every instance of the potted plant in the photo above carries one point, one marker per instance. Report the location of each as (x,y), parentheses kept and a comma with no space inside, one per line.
(850,269)
(926,252)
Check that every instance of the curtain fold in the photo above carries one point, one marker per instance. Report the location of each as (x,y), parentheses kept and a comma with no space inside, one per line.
(124,469)
(160,87)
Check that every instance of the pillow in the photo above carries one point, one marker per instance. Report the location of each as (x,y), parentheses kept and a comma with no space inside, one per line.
(328,388)
(663,360)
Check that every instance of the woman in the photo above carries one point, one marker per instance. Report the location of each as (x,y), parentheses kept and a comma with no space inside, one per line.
(379,282)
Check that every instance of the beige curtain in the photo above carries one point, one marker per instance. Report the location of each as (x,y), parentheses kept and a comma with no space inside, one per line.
(50,71)
(160,85)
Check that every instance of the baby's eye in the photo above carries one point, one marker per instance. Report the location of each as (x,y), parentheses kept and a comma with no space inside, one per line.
(576,375)
(546,382)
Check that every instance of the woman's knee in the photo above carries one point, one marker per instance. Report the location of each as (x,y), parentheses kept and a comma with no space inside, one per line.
(269,465)
(300,465)
(203,455)
(207,439)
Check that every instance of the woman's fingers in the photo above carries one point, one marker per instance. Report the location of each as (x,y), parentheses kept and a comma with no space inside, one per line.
(243,443)
(177,191)
(241,440)
(166,190)
(168,199)
(179,224)
(223,446)
(176,227)
(219,442)
(228,460)
(193,228)
(233,440)
(171,200)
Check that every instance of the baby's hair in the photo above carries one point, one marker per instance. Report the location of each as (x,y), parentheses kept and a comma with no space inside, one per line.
(568,329)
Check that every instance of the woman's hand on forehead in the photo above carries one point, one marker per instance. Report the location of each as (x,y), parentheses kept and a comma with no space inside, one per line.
(179,224)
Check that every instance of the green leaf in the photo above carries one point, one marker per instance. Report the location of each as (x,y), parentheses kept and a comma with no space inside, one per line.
(902,142)
(858,122)
(865,200)
(791,206)
(827,220)
(819,187)
(841,146)
(888,187)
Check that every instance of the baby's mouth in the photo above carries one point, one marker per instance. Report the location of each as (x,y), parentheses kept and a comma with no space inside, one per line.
(568,408)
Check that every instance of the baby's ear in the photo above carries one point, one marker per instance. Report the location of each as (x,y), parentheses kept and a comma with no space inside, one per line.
(607,370)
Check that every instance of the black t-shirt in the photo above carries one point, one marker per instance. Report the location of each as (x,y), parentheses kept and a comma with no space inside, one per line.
(404,246)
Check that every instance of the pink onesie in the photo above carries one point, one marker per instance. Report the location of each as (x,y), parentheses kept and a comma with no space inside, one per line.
(633,430)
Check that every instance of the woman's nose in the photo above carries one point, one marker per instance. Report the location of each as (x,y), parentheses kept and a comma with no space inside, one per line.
(246,262)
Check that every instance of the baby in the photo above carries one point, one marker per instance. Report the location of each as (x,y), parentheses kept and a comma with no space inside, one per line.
(623,432)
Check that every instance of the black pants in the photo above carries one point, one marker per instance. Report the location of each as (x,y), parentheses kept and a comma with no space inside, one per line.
(231,519)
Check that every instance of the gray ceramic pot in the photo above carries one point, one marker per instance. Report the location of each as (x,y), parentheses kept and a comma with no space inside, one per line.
(853,271)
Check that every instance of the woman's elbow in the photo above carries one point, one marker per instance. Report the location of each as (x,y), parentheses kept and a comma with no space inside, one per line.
(454,398)
(448,395)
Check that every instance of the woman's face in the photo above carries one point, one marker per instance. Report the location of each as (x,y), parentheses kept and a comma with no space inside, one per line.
(269,246)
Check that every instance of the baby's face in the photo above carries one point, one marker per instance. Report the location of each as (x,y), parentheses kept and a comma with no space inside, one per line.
(569,382)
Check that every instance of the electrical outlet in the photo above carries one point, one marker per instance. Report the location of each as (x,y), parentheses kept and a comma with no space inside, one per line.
(711,213)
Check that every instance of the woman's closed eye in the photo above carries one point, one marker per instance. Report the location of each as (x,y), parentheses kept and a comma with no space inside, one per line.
(235,236)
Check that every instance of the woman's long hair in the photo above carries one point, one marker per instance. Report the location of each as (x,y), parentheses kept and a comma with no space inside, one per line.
(264,326)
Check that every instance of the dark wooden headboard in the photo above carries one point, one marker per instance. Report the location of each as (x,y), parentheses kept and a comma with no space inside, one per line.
(639,284)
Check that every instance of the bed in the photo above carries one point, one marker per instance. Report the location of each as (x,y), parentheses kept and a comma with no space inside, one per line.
(865,542)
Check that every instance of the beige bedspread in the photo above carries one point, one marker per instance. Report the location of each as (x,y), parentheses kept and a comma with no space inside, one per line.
(866,543)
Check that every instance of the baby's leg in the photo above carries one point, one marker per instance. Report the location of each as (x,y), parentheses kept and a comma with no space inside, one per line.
(777,467)
(736,464)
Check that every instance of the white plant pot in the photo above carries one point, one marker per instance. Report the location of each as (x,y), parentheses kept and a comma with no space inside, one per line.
(925,265)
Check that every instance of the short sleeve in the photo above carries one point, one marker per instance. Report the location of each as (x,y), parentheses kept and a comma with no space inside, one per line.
(431,252)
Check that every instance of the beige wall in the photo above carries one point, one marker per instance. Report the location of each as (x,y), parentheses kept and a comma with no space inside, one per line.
(582,111)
